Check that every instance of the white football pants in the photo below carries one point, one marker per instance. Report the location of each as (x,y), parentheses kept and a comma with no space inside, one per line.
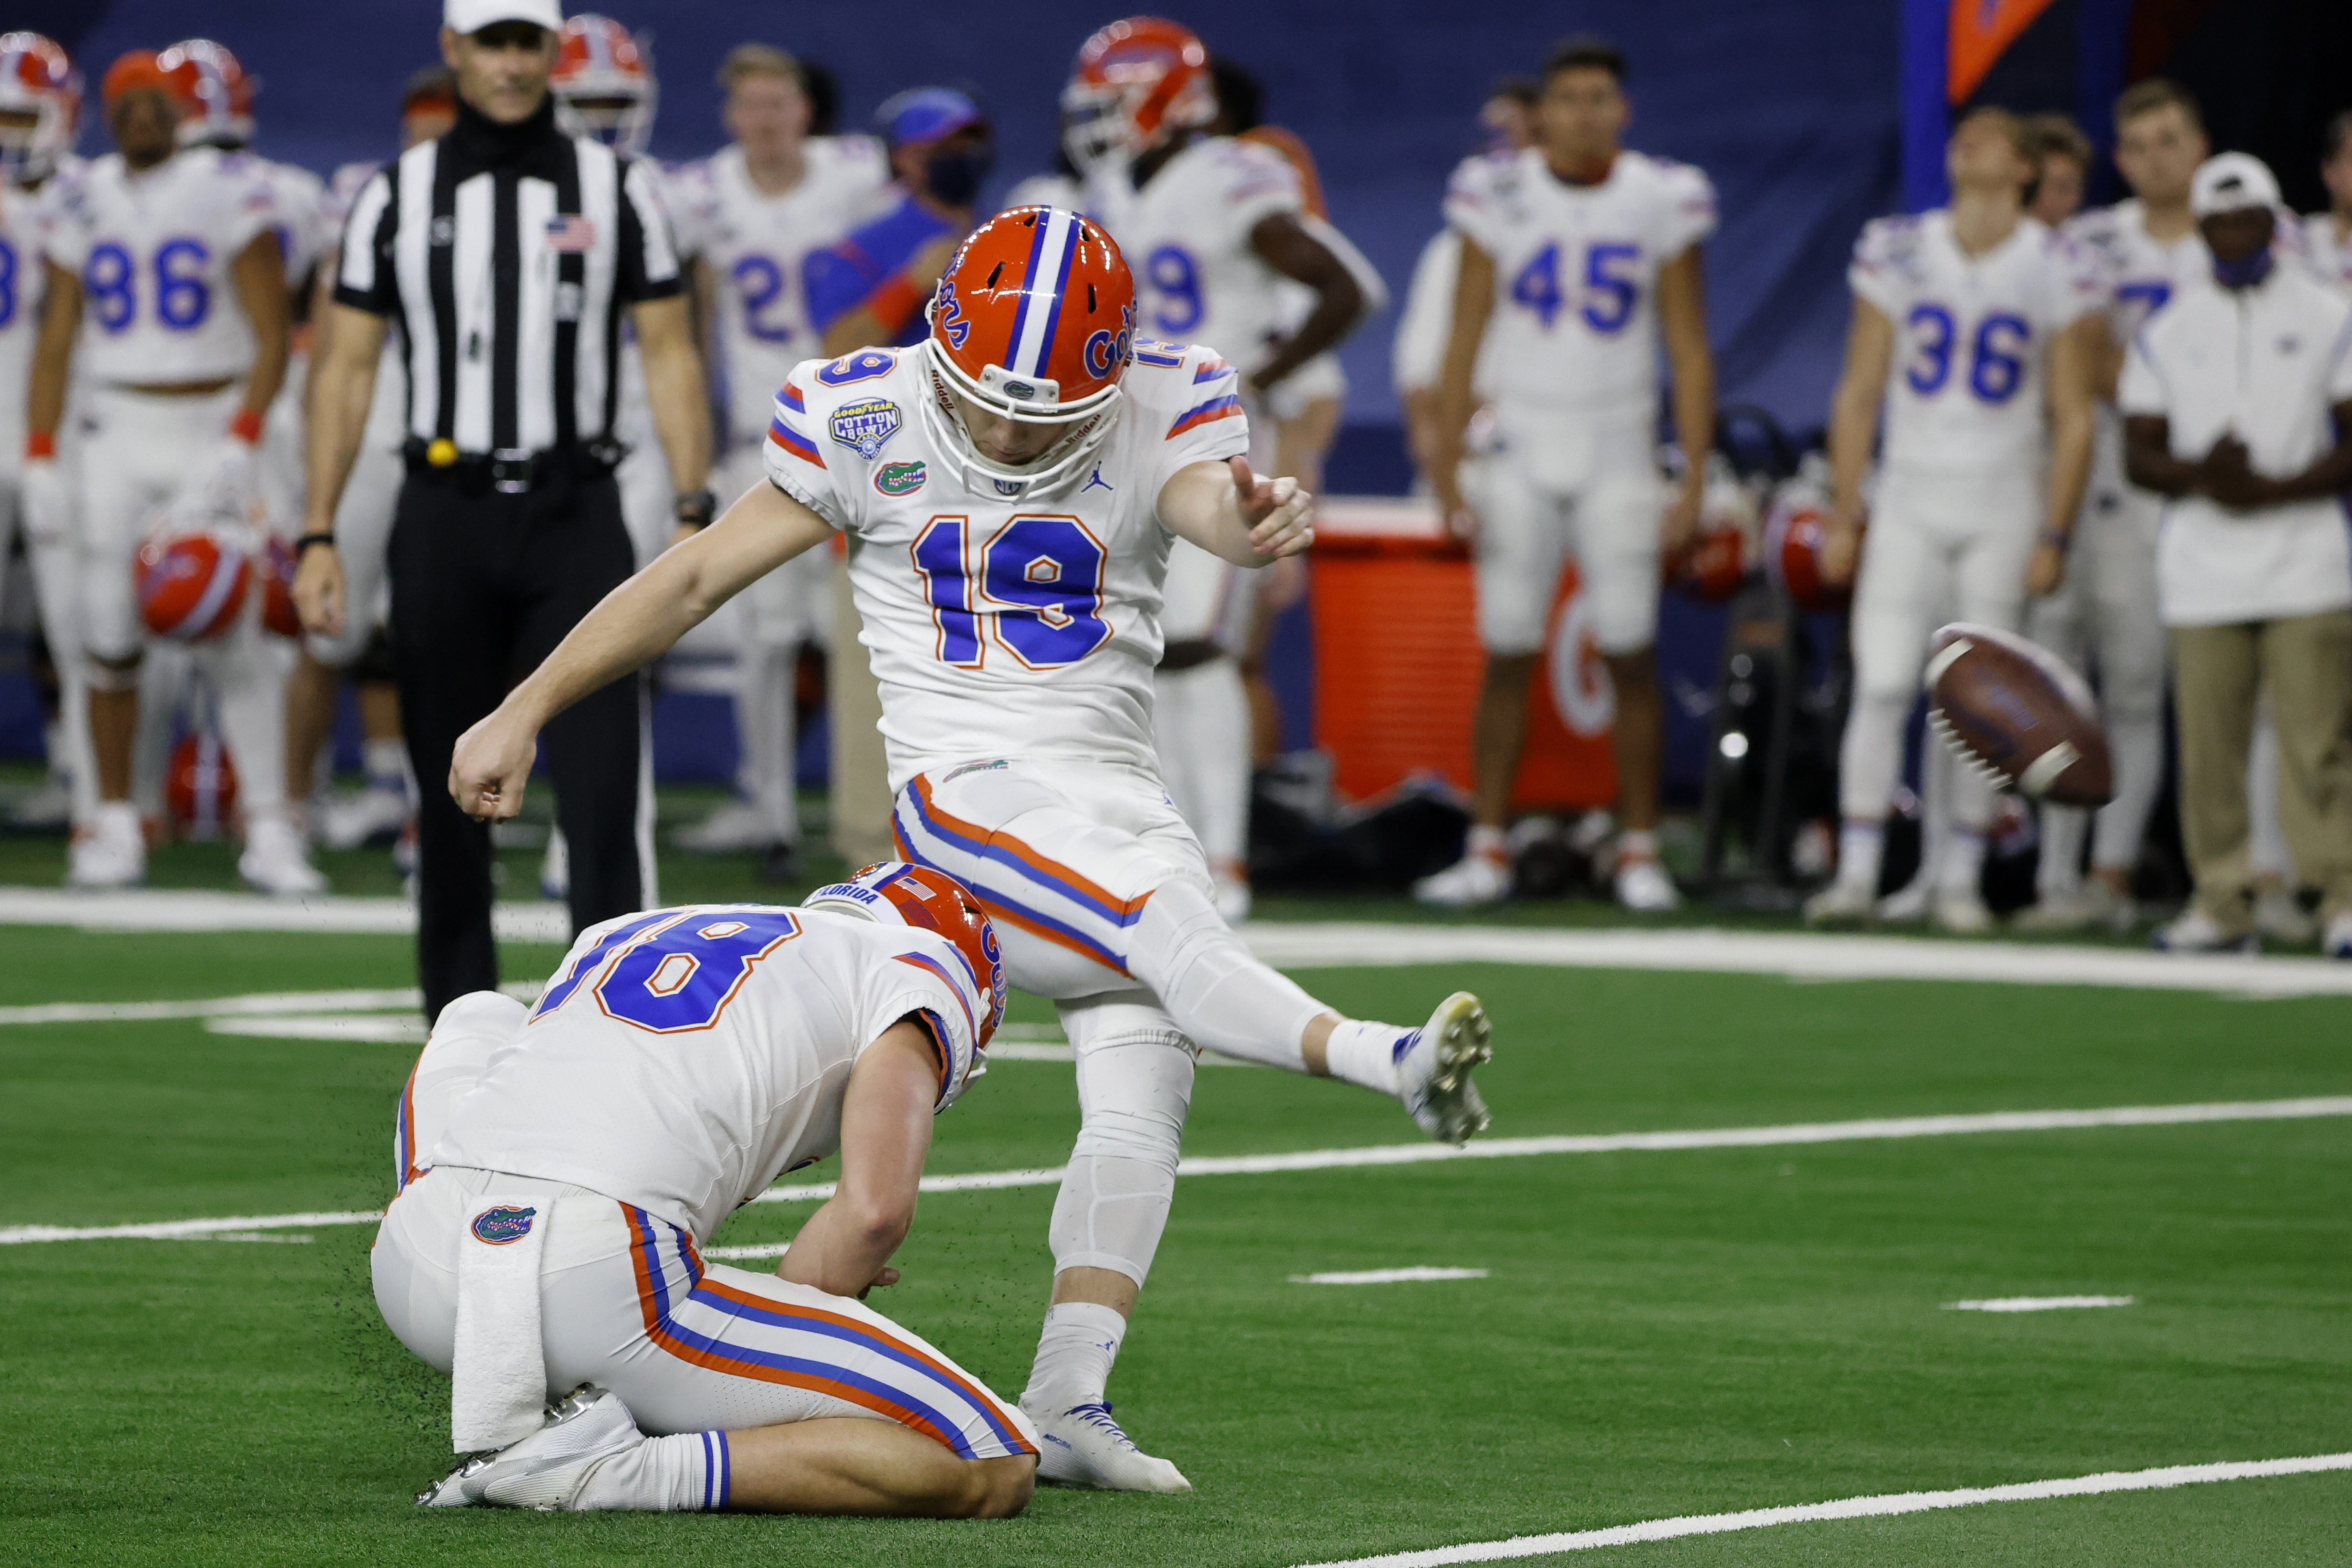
(53,553)
(1201,722)
(1561,480)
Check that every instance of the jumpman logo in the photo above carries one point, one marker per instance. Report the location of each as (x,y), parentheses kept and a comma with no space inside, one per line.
(1097,479)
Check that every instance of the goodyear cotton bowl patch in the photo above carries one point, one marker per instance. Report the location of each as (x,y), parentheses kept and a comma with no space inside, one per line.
(503,1224)
(864,424)
(899,479)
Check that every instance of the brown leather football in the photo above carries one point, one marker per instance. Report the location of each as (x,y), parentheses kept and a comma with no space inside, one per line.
(2014,712)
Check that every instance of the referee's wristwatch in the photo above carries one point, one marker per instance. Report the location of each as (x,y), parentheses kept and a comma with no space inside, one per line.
(694,508)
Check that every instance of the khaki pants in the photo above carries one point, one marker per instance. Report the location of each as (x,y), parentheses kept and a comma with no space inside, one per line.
(2304,664)
(861,773)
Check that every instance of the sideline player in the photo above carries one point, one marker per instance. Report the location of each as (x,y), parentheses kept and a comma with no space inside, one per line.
(165,265)
(1581,258)
(1010,487)
(752,214)
(2328,236)
(1221,236)
(559,1177)
(1976,330)
(40,105)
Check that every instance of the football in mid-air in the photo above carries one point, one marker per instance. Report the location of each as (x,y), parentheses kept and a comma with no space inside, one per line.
(2014,710)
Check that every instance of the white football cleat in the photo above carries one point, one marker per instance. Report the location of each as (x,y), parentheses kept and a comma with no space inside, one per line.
(1083,1447)
(364,816)
(2337,943)
(1841,903)
(2280,915)
(1960,912)
(1907,903)
(1434,1070)
(274,861)
(547,1469)
(111,852)
(2196,931)
(1476,878)
(1644,887)
(732,826)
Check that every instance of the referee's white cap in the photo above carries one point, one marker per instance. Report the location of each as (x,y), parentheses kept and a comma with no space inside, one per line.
(2232,181)
(473,15)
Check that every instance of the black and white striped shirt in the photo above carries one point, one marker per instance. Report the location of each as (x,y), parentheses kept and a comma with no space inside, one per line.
(506,254)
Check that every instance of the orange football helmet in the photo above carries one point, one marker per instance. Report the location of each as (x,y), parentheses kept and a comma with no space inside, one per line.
(1137,83)
(603,83)
(40,100)
(1034,320)
(216,95)
(892,892)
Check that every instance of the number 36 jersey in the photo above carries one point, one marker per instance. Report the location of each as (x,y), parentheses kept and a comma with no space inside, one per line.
(1971,337)
(1002,625)
(154,252)
(1576,274)
(682,1058)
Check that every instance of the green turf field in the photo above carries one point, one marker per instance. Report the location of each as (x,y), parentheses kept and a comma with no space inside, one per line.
(1660,1334)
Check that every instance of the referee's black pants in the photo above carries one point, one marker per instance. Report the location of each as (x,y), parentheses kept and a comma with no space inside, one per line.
(483,587)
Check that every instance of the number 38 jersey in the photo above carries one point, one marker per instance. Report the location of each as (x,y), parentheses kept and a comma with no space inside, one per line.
(153,251)
(1000,624)
(682,1058)
(1971,337)
(1576,274)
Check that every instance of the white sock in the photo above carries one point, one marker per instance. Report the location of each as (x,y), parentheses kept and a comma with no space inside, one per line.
(1860,844)
(1367,1053)
(386,762)
(1963,864)
(685,1474)
(1075,1352)
(1487,841)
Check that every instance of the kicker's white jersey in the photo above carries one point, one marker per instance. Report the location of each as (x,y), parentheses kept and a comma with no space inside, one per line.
(1972,335)
(1576,274)
(754,244)
(681,1059)
(154,251)
(1186,235)
(1003,625)
(303,235)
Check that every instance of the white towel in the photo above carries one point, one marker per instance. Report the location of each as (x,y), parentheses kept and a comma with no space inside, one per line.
(498,1382)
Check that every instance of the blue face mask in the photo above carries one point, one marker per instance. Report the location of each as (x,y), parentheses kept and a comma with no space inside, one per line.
(954,177)
(2244,272)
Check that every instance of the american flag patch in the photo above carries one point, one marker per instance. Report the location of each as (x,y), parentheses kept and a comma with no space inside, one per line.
(569,232)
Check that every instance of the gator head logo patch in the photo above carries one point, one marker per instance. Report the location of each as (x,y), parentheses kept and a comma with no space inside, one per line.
(502,1226)
(864,424)
(899,479)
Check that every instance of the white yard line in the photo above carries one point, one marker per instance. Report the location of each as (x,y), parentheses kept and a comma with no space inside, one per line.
(1797,955)
(1388,1276)
(1414,1154)
(2037,1303)
(1847,1508)
(336,1029)
(292,1005)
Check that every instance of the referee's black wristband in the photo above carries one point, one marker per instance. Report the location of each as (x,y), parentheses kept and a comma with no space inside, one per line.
(694,508)
(307,540)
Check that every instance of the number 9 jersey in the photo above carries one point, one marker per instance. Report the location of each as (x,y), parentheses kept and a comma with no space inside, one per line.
(154,252)
(1576,273)
(1971,336)
(1005,619)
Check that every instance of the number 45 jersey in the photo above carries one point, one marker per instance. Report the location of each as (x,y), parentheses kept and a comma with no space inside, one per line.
(1576,274)
(1972,335)
(1002,624)
(682,1058)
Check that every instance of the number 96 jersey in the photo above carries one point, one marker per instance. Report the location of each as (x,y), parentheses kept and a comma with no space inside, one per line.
(1971,335)
(153,251)
(1576,274)
(1002,625)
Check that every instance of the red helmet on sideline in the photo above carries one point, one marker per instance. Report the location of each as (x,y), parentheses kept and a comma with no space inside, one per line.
(38,80)
(1137,83)
(192,585)
(215,93)
(200,787)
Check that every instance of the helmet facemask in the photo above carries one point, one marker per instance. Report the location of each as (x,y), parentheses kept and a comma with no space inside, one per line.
(1088,422)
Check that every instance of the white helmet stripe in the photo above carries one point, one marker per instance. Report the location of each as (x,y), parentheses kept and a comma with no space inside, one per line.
(1041,312)
(226,579)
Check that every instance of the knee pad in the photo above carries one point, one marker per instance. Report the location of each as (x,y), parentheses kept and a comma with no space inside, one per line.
(1135,1087)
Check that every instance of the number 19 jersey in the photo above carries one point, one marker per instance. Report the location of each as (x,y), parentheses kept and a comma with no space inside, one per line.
(1576,274)
(1972,334)
(1002,624)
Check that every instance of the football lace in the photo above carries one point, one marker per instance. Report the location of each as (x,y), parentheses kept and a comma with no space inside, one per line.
(1975,759)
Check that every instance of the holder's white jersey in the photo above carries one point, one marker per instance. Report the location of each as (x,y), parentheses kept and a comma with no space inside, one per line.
(754,244)
(682,1058)
(1576,273)
(154,252)
(1186,235)
(303,232)
(1972,337)
(1003,625)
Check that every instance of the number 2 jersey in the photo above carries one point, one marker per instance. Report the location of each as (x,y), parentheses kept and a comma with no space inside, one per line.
(1576,274)
(1003,624)
(1972,334)
(682,1058)
(154,252)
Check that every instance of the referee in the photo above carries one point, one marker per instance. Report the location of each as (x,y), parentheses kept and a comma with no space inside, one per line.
(508,252)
